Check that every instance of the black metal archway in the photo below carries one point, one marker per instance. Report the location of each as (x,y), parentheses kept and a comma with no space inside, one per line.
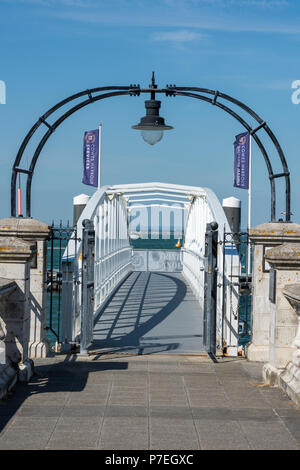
(97,94)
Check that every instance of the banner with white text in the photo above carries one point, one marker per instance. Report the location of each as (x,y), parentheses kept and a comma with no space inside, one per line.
(241,161)
(90,157)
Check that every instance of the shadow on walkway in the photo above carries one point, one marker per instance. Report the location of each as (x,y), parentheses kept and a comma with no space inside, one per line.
(70,375)
(142,303)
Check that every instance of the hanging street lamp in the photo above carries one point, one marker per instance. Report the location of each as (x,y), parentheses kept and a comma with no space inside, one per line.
(152,126)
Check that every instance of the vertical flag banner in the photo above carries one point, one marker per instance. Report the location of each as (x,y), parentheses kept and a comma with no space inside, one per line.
(241,160)
(91,157)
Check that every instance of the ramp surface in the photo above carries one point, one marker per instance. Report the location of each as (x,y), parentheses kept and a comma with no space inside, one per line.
(151,313)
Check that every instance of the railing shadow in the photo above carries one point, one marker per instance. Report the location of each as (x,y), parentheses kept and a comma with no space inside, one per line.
(131,341)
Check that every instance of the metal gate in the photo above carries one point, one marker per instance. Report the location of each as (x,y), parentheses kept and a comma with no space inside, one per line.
(87,291)
(57,248)
(210,288)
(232,292)
(238,284)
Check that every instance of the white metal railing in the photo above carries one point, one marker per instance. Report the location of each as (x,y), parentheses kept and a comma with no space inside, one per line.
(202,211)
(112,259)
(194,244)
(193,271)
(112,248)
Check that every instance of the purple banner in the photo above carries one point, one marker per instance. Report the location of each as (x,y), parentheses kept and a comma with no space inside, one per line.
(90,158)
(241,161)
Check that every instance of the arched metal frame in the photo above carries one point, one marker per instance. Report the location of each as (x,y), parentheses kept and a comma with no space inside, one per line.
(135,90)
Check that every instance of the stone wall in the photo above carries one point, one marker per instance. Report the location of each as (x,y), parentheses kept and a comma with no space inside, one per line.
(36,233)
(282,367)
(15,260)
(264,238)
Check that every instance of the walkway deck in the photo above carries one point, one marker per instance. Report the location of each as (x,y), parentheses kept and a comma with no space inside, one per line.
(148,402)
(151,313)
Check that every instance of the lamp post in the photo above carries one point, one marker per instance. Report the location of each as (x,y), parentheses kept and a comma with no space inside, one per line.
(152,126)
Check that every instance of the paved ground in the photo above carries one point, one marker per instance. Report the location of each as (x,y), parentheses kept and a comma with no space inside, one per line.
(147,402)
(151,312)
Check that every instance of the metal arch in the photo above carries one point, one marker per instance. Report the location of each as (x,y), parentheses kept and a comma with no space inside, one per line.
(170,90)
(42,119)
(257,140)
(131,89)
(51,129)
(262,125)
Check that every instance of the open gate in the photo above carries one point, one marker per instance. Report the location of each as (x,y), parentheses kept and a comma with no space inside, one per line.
(87,290)
(210,288)
(238,295)
(227,292)
(58,243)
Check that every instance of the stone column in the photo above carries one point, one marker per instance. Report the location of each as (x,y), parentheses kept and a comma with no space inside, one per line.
(36,232)
(15,259)
(285,260)
(264,237)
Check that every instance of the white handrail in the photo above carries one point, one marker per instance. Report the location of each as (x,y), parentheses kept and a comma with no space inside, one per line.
(112,258)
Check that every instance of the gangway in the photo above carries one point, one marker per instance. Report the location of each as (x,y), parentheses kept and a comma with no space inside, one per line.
(117,298)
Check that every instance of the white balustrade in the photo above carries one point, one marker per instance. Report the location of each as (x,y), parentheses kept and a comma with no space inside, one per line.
(112,258)
(205,209)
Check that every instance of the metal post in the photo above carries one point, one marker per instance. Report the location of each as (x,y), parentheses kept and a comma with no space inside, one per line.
(99,155)
(210,288)
(87,288)
(249,200)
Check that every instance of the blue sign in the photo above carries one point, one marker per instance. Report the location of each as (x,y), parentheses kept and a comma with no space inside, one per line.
(241,161)
(90,158)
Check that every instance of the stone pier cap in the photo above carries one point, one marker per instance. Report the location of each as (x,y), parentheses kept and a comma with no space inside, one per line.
(23,228)
(279,232)
(285,256)
(14,250)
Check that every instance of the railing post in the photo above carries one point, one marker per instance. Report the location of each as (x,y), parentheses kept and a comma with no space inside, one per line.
(87,291)
(210,288)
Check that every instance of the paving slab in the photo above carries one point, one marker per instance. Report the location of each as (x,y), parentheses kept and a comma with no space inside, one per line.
(154,402)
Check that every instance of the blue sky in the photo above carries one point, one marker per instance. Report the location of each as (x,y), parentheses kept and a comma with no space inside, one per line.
(53,48)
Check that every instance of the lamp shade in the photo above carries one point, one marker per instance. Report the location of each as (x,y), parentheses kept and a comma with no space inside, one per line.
(152,126)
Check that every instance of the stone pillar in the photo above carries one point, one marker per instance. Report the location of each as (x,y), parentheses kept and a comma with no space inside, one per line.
(285,260)
(264,237)
(15,259)
(36,232)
